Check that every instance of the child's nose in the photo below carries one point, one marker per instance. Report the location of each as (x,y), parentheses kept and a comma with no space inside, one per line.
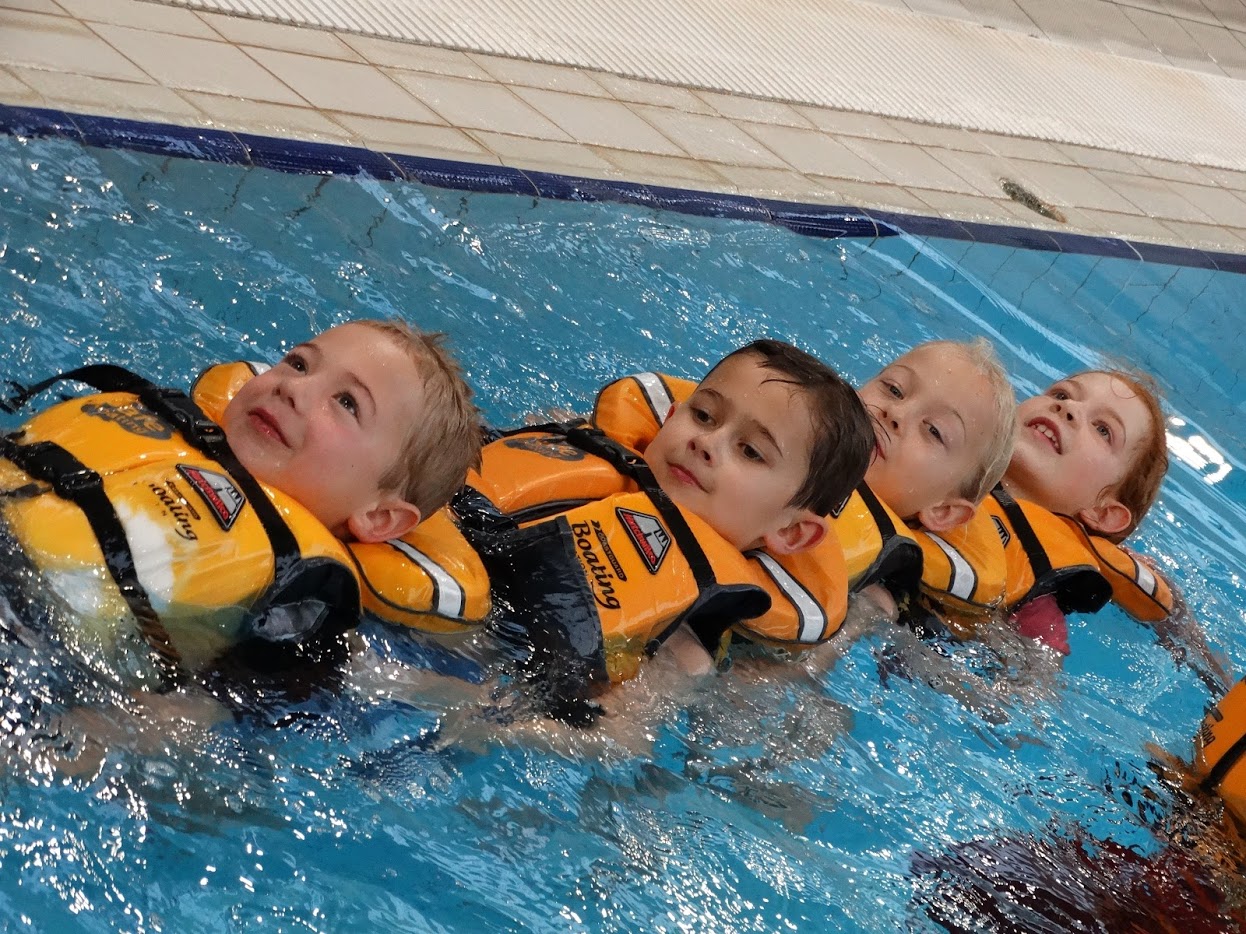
(701,445)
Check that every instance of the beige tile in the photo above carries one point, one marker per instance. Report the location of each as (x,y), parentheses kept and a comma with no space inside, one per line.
(754,110)
(350,87)
(850,123)
(938,137)
(907,165)
(540,75)
(1089,158)
(1144,50)
(1176,171)
(647,92)
(186,63)
(109,97)
(1166,34)
(1082,21)
(1226,179)
(816,153)
(1017,147)
(883,197)
(475,105)
(953,9)
(1205,237)
(965,207)
(1219,206)
(1124,226)
(15,91)
(151,17)
(33,6)
(58,43)
(390,53)
(416,139)
(782,184)
(598,122)
(267,119)
(1221,45)
(714,139)
(1154,197)
(644,167)
(1230,13)
(242,31)
(1001,14)
(543,154)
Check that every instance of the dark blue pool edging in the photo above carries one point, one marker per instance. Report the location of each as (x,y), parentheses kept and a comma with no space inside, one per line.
(815,220)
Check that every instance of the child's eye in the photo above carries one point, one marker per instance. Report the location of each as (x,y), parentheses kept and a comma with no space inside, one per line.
(347,401)
(1104,431)
(699,415)
(1059,394)
(295,362)
(935,433)
(751,452)
(894,389)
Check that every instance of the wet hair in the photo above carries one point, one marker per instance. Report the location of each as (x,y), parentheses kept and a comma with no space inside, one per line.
(843,436)
(1139,488)
(444,438)
(1001,426)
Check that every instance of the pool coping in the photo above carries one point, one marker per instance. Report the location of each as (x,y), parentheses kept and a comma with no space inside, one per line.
(808,219)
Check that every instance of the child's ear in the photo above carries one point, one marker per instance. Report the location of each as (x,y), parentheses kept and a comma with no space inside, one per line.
(805,532)
(947,515)
(388,518)
(1108,517)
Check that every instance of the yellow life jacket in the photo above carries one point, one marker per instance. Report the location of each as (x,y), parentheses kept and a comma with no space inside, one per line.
(964,572)
(1051,554)
(1219,748)
(807,590)
(130,505)
(600,567)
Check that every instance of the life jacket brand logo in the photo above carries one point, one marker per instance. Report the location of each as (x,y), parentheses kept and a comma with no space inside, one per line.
(1004,536)
(175,505)
(600,576)
(131,417)
(649,536)
(224,500)
(547,446)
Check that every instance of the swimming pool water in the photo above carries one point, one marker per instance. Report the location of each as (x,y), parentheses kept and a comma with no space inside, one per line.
(762,806)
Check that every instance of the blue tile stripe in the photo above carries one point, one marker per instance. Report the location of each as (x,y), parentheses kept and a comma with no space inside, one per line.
(814,220)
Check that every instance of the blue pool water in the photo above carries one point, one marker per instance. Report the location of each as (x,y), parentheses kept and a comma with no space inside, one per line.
(761,805)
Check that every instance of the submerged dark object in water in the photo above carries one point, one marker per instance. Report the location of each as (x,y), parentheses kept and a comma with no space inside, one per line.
(1060,885)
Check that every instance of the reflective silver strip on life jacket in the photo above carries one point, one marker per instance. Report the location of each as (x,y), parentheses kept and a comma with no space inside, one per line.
(964,581)
(449,599)
(1144,577)
(659,399)
(812,617)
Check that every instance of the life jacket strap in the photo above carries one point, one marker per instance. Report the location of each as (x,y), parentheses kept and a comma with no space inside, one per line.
(72,480)
(1034,551)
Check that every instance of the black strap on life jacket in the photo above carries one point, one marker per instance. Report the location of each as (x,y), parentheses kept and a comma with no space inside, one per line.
(1034,550)
(708,627)
(1226,763)
(74,481)
(1081,589)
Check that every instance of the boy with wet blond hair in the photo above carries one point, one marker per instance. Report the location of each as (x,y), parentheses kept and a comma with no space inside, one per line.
(945,420)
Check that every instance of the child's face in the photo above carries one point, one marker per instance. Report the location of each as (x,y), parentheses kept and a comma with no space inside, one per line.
(737,451)
(931,409)
(325,424)
(1076,443)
